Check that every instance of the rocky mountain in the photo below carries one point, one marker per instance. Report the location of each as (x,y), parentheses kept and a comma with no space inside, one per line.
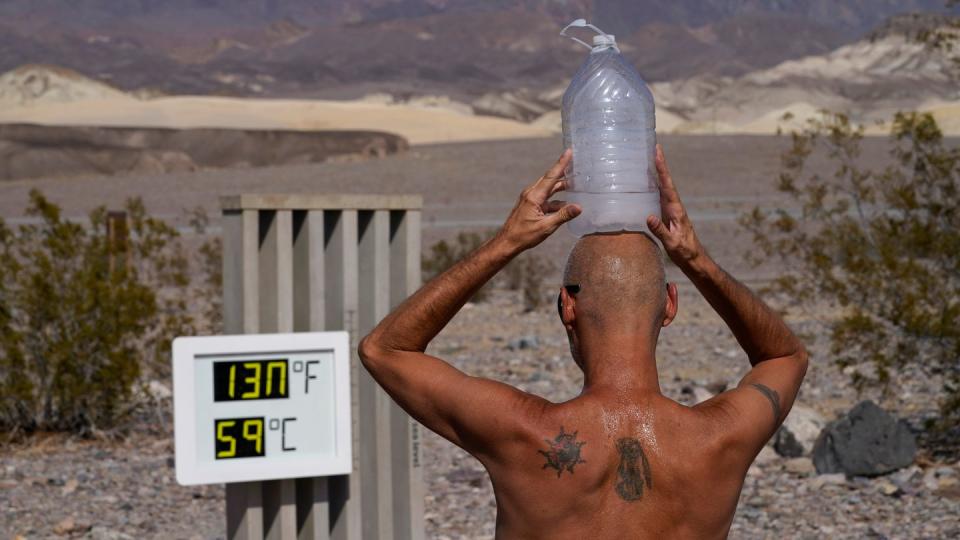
(461,48)
(35,84)
(870,80)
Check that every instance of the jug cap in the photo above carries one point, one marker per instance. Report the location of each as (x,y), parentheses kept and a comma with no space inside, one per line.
(605,40)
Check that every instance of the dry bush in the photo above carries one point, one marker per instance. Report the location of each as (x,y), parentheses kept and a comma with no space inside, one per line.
(443,255)
(525,273)
(84,313)
(883,246)
(209,290)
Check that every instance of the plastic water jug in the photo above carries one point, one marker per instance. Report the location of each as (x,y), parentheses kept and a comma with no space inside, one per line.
(609,122)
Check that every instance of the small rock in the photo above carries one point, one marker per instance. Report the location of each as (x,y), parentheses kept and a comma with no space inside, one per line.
(103,533)
(938,478)
(867,441)
(799,432)
(65,526)
(930,479)
(70,486)
(800,466)
(887,488)
(701,394)
(69,526)
(766,455)
(837,479)
(697,394)
(717,387)
(523,343)
(946,483)
(8,484)
(904,478)
(786,444)
(159,390)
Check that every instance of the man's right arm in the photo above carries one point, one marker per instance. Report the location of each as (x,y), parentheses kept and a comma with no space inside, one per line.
(759,404)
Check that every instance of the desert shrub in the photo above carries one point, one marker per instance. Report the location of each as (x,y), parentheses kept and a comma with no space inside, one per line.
(526,274)
(444,255)
(83,311)
(882,245)
(209,290)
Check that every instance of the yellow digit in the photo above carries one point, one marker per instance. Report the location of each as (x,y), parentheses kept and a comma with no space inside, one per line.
(233,378)
(227,439)
(282,366)
(255,381)
(257,435)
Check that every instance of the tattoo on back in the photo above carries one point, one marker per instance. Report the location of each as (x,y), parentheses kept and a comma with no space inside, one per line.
(633,471)
(774,399)
(563,452)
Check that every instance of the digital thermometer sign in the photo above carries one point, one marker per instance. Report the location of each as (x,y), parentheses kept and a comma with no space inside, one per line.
(261,407)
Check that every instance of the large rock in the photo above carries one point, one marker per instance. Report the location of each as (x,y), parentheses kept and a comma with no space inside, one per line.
(868,441)
(799,432)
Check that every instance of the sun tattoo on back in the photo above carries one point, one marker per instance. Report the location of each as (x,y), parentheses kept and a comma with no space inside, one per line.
(563,453)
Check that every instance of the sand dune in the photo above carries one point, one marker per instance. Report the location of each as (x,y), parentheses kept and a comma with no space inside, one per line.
(418,124)
(948,117)
(790,118)
(667,122)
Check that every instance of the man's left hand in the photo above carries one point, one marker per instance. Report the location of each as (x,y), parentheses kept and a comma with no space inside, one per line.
(535,217)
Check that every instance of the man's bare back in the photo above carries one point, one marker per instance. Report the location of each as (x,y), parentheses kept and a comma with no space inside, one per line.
(644,468)
(620,460)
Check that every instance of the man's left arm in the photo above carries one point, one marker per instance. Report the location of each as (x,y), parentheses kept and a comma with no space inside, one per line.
(469,411)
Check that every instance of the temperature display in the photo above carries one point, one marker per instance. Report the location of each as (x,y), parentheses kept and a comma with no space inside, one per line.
(250,379)
(262,406)
(239,437)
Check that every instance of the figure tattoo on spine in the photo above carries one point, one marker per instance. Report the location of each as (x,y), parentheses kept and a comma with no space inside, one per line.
(633,471)
(563,453)
(774,398)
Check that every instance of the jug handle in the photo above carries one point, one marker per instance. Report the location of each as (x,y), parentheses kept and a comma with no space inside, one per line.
(581,23)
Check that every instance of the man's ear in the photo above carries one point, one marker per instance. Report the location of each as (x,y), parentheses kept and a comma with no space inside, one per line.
(673,303)
(567,309)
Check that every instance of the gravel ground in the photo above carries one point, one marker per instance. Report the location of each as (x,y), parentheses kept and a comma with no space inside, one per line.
(127,489)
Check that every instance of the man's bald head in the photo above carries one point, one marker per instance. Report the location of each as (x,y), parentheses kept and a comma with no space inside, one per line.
(622,281)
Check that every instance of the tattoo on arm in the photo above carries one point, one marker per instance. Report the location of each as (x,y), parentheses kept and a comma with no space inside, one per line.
(774,399)
(633,470)
(563,452)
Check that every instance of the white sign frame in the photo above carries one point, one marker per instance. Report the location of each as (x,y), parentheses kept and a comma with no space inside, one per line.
(189,471)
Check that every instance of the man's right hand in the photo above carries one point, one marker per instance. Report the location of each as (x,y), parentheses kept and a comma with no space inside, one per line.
(675,231)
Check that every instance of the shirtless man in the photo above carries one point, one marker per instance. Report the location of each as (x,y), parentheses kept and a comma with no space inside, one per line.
(620,460)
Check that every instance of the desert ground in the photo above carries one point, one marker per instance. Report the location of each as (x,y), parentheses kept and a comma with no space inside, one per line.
(126,488)
(465,186)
